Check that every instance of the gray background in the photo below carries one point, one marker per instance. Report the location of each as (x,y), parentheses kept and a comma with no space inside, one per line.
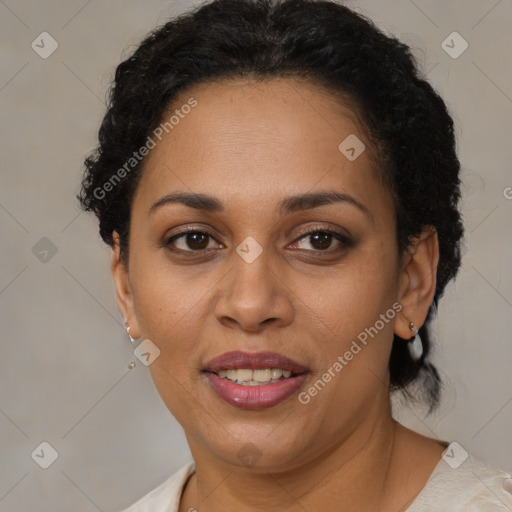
(64,363)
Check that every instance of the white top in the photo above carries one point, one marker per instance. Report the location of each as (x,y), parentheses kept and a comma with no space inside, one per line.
(459,483)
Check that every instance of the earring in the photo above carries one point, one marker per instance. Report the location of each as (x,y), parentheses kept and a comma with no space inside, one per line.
(415,344)
(128,332)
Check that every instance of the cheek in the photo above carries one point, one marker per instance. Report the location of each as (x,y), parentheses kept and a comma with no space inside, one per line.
(164,296)
(353,346)
(360,292)
(171,312)
(357,333)
(358,323)
(171,309)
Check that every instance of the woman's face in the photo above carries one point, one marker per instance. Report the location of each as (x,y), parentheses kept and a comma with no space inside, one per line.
(251,279)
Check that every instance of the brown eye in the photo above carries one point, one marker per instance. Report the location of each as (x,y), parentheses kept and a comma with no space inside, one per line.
(191,241)
(197,240)
(322,240)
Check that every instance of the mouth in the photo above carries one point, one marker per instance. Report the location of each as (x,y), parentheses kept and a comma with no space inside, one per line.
(254,380)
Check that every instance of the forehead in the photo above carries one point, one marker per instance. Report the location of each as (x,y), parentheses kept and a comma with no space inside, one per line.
(260,140)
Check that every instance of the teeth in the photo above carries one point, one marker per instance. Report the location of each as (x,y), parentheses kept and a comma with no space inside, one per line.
(244,375)
(248,377)
(261,375)
(277,373)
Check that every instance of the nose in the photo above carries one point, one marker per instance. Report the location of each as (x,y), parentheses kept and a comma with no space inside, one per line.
(254,296)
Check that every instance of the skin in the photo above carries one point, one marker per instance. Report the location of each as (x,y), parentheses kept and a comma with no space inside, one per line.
(251,144)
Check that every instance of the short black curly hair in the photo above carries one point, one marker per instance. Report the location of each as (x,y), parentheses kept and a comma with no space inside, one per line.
(330,45)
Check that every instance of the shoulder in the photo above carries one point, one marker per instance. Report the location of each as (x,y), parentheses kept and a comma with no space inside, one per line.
(165,497)
(461,482)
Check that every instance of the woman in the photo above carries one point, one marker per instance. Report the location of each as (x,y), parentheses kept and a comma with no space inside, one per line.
(280,187)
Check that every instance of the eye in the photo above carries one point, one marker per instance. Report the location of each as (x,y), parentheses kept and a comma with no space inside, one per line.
(192,241)
(322,240)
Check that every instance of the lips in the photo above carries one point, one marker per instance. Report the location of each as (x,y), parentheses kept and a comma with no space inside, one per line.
(259,396)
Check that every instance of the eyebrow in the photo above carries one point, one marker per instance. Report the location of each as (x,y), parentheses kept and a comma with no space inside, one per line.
(314,199)
(287,205)
(197,201)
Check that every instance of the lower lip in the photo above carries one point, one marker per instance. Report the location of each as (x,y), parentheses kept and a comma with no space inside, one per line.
(255,397)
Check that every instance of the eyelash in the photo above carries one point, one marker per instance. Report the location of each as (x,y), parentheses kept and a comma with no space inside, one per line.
(345,242)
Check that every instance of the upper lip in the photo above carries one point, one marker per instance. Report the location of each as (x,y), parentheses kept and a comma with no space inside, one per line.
(253,361)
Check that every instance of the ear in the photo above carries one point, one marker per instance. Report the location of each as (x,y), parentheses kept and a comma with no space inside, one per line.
(417,281)
(123,289)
